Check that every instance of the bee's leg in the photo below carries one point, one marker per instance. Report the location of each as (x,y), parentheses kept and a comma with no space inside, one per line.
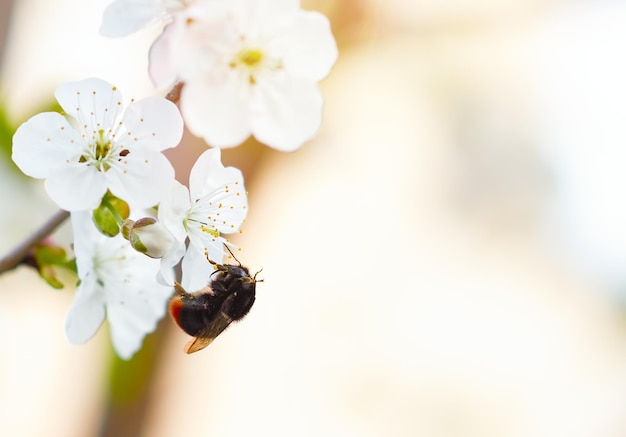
(180,290)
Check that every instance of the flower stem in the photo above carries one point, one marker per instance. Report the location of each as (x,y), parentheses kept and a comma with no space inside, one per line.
(116,215)
(19,252)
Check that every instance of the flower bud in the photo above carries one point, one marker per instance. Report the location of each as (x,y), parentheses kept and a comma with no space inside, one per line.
(148,236)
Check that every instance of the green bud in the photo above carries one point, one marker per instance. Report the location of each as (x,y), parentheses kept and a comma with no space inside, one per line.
(148,236)
(109,216)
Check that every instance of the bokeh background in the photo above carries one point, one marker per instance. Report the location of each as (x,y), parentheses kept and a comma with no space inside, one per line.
(447,258)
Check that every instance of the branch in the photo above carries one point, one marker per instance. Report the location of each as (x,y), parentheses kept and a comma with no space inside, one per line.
(19,252)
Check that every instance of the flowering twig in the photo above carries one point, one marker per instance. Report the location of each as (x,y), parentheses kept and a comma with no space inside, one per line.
(19,252)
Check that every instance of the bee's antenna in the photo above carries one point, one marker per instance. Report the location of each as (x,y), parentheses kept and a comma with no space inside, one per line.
(254,277)
(232,254)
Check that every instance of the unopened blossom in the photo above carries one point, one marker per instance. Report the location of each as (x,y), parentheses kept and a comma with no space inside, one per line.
(252,71)
(214,205)
(116,283)
(148,236)
(98,145)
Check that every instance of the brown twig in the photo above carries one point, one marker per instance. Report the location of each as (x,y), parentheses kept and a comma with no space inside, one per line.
(174,94)
(20,252)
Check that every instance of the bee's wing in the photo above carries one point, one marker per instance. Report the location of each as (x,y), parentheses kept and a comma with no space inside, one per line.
(208,334)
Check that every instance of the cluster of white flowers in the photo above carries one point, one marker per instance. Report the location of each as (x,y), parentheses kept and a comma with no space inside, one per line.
(247,67)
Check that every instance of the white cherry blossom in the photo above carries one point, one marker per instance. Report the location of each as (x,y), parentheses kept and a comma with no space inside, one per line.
(214,205)
(116,283)
(252,71)
(98,146)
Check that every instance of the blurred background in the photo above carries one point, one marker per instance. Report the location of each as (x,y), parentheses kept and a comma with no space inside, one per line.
(447,258)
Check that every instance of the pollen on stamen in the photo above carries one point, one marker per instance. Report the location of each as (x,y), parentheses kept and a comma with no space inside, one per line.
(141,119)
(114,88)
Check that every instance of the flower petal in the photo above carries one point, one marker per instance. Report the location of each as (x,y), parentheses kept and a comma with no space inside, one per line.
(208,174)
(262,17)
(216,112)
(123,17)
(163,67)
(45,142)
(93,102)
(196,269)
(76,187)
(166,275)
(308,49)
(153,122)
(173,210)
(287,112)
(135,306)
(86,313)
(141,178)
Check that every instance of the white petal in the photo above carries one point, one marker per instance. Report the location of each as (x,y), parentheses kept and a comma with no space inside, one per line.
(86,313)
(261,17)
(308,49)
(162,67)
(171,51)
(43,143)
(84,241)
(216,112)
(196,269)
(123,17)
(76,186)
(154,122)
(135,306)
(287,112)
(141,179)
(208,173)
(173,210)
(94,103)
(166,275)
